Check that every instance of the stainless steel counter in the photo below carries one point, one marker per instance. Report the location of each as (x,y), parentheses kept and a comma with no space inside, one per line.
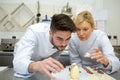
(8,75)
(6,59)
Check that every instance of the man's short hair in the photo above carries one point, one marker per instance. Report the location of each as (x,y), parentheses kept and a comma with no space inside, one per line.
(62,22)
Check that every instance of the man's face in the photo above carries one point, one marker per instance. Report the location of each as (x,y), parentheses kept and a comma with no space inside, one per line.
(60,39)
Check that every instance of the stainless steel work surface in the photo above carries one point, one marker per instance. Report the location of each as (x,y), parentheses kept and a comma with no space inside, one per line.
(8,75)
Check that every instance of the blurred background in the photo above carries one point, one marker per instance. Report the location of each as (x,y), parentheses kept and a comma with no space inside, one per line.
(17,15)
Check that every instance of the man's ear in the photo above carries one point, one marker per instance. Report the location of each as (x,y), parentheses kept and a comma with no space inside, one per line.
(50,32)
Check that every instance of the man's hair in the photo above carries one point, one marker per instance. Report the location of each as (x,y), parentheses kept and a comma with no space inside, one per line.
(62,22)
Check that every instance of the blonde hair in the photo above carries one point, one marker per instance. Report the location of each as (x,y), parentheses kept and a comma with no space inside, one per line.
(85,16)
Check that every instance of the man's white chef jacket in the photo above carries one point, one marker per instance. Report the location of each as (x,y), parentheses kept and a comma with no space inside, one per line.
(33,46)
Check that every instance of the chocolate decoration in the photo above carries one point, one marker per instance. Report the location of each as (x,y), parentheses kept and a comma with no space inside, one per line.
(87,70)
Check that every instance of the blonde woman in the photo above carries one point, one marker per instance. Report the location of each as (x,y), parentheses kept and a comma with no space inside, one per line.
(91,47)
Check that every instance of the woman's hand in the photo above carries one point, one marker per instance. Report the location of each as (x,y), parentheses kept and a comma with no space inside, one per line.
(46,66)
(99,57)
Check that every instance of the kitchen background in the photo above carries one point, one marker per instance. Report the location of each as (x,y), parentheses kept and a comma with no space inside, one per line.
(17,15)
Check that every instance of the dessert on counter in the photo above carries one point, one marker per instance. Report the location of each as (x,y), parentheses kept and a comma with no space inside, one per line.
(74,72)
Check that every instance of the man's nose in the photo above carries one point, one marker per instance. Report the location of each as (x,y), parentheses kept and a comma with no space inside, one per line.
(64,43)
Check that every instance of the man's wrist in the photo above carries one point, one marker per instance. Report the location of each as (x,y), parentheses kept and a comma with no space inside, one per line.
(31,67)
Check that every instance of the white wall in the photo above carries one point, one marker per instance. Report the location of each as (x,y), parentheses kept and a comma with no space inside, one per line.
(113,22)
(51,7)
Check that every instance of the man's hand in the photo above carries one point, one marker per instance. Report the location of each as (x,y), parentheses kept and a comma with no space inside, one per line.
(46,66)
(99,57)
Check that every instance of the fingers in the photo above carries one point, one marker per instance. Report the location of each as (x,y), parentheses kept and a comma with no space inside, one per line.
(96,55)
(50,75)
(99,57)
(51,69)
(96,49)
(47,66)
(54,65)
(57,64)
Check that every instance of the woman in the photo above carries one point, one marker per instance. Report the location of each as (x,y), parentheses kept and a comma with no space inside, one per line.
(95,43)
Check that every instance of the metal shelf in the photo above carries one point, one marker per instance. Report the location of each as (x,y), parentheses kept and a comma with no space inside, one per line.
(3,14)
(8,26)
(22,15)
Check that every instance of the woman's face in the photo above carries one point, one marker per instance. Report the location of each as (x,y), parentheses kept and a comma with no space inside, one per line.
(84,30)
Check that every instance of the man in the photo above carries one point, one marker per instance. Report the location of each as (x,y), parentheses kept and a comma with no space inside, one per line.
(34,51)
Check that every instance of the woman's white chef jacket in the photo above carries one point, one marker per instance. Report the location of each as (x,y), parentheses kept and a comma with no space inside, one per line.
(97,39)
(33,46)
